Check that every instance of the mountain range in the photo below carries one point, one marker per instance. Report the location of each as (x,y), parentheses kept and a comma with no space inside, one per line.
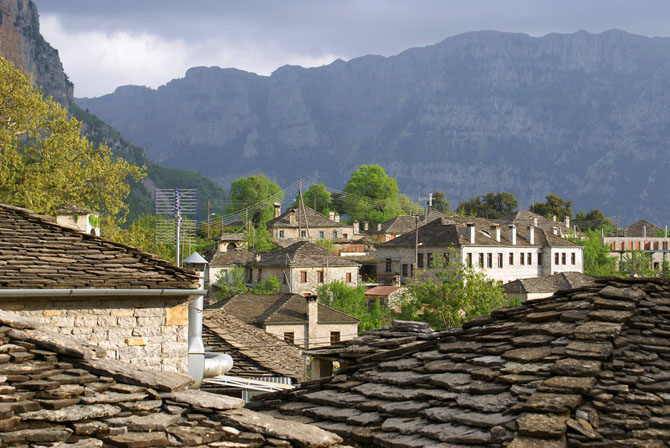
(580,115)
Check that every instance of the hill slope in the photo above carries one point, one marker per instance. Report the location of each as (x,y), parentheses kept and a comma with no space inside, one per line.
(580,115)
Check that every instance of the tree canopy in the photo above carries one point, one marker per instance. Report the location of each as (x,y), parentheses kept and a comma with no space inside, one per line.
(597,262)
(46,162)
(592,220)
(318,198)
(491,205)
(257,194)
(351,300)
(371,195)
(554,206)
(440,202)
(454,294)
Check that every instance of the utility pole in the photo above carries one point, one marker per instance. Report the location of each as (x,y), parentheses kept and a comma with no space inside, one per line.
(208,224)
(416,245)
(177,223)
(301,206)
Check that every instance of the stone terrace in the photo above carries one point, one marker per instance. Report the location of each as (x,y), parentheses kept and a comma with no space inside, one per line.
(55,392)
(584,368)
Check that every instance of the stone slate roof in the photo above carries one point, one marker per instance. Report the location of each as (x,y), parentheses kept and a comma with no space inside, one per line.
(233,257)
(376,343)
(302,254)
(637,229)
(451,231)
(36,253)
(264,309)
(404,223)
(54,392)
(584,368)
(230,237)
(255,352)
(382,290)
(71,209)
(526,218)
(549,283)
(314,220)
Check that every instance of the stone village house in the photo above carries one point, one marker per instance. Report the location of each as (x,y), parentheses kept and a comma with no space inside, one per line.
(640,236)
(300,267)
(306,223)
(482,245)
(132,304)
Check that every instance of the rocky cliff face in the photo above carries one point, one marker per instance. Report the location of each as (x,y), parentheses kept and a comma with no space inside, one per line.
(580,115)
(22,44)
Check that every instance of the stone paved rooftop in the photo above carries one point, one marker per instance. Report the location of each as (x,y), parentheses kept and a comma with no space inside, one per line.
(54,391)
(587,367)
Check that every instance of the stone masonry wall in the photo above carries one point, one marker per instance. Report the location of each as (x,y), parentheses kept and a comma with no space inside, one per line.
(141,331)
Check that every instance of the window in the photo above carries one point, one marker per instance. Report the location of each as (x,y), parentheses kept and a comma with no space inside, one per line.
(563,258)
(647,245)
(281,234)
(388,265)
(539,259)
(334,233)
(321,234)
(260,274)
(500,260)
(511,258)
(665,245)
(429,260)
(489,260)
(404,270)
(573,258)
(348,277)
(621,246)
(522,259)
(420,260)
(319,276)
(612,245)
(303,276)
(289,336)
(345,236)
(303,233)
(556,258)
(468,257)
(530,259)
(655,245)
(637,245)
(630,245)
(334,337)
(481,260)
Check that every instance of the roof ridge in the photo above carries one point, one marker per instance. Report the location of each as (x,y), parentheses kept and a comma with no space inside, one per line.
(275,307)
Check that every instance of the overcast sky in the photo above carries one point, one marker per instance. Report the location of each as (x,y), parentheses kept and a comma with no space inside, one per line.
(106,44)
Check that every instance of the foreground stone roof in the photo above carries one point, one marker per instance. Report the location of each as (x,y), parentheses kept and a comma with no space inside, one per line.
(53,390)
(37,253)
(584,368)
(548,283)
(255,352)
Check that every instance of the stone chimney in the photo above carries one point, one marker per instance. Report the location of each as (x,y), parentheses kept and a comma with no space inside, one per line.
(567,222)
(495,231)
(365,225)
(531,234)
(277,206)
(644,231)
(554,230)
(471,232)
(357,228)
(534,221)
(312,322)
(379,227)
(291,217)
(553,218)
(331,216)
(337,217)
(78,218)
(512,234)
(258,258)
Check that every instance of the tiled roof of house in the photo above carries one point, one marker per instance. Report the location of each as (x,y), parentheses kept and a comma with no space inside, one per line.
(54,392)
(37,253)
(637,229)
(230,237)
(548,283)
(584,368)
(375,343)
(71,209)
(526,217)
(263,309)
(255,352)
(300,254)
(314,220)
(451,231)
(235,257)
(404,223)
(382,290)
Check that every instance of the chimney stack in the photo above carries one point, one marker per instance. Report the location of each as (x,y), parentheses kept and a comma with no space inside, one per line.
(567,222)
(365,225)
(495,230)
(311,339)
(644,231)
(471,232)
(512,234)
(357,228)
(331,216)
(277,206)
(291,217)
(554,230)
(534,221)
(553,218)
(379,227)
(531,234)
(337,217)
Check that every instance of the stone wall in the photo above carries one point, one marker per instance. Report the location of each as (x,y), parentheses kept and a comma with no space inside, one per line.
(141,331)
(347,332)
(346,232)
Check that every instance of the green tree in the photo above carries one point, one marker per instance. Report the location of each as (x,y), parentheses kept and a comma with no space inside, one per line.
(597,261)
(46,162)
(258,239)
(491,205)
(554,206)
(326,244)
(257,194)
(318,198)
(408,206)
(351,300)
(440,202)
(592,220)
(636,263)
(231,283)
(453,294)
(371,195)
